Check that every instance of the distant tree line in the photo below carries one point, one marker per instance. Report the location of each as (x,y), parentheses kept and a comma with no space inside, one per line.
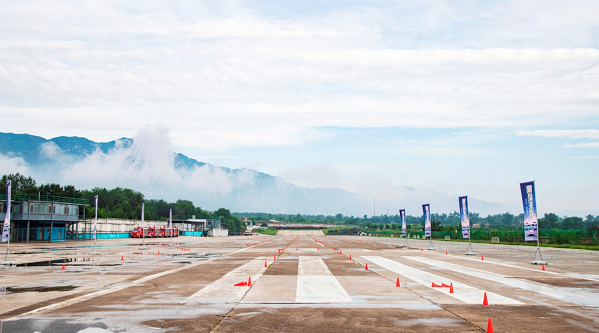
(122,203)
(439,222)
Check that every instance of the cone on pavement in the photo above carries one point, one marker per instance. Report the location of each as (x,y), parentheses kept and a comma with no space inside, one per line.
(434,285)
(482,257)
(397,284)
(422,250)
(350,257)
(121,258)
(543,267)
(445,252)
(451,288)
(158,252)
(490,326)
(63,266)
(366,268)
(340,252)
(274,257)
(265,265)
(485,300)
(249,281)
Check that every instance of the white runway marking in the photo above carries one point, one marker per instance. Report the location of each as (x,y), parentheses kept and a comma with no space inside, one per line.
(572,295)
(110,290)
(463,292)
(224,290)
(316,283)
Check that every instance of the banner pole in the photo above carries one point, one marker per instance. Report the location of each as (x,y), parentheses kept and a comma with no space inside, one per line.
(143,231)
(170,222)
(95,224)
(6,225)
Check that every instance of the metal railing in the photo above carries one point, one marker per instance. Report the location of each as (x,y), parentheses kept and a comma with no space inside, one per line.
(41,197)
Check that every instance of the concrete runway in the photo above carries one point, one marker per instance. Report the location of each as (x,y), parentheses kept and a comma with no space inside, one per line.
(190,287)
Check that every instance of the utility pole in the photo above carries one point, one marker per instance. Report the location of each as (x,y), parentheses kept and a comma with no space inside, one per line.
(374,208)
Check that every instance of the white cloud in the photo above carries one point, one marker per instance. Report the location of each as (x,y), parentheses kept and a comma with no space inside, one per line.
(583,145)
(567,134)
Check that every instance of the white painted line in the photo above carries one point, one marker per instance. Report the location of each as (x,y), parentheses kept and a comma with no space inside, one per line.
(109,290)
(316,283)
(525,268)
(572,295)
(224,290)
(462,292)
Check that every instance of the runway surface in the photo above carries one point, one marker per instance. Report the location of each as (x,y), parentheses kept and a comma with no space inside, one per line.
(300,281)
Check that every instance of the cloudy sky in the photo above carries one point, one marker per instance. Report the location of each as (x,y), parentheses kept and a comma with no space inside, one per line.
(464,97)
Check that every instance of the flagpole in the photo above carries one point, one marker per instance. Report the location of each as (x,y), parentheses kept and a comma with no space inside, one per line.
(143,232)
(6,227)
(170,224)
(95,224)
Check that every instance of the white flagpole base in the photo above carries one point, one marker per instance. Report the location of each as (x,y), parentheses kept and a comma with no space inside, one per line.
(430,246)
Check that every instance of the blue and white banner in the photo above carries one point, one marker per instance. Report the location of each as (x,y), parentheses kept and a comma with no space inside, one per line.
(6,228)
(96,216)
(464,216)
(426,211)
(402,215)
(529,201)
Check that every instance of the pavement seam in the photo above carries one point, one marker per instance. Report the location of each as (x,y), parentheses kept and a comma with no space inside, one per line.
(430,301)
(110,290)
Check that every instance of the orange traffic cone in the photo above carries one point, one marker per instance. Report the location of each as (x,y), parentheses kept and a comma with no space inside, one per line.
(543,267)
(297,249)
(451,288)
(397,283)
(366,266)
(422,250)
(350,257)
(445,252)
(340,252)
(317,249)
(265,265)
(274,257)
(158,252)
(249,281)
(121,258)
(63,266)
(482,257)
(490,326)
(485,300)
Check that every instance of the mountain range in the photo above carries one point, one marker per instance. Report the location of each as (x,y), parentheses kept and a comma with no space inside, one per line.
(245,190)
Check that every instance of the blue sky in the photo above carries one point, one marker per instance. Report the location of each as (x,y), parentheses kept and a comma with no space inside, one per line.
(465,97)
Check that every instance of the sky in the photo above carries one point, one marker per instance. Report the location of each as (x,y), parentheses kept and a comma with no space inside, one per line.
(463,97)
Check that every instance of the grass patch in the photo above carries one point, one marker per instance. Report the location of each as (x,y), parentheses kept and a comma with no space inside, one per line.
(269,231)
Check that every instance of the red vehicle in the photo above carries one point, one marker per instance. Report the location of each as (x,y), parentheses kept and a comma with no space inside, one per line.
(136,232)
(175,231)
(160,231)
(151,232)
(147,232)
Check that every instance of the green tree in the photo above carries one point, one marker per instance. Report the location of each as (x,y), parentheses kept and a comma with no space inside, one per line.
(573,223)
(19,184)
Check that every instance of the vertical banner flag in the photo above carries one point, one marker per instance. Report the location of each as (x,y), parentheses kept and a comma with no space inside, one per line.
(6,228)
(96,215)
(426,211)
(402,215)
(464,216)
(170,220)
(529,201)
(142,216)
